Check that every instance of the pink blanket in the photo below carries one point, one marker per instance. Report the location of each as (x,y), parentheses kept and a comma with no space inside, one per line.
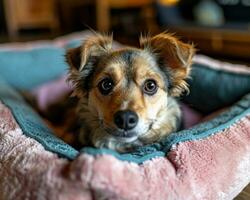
(213,168)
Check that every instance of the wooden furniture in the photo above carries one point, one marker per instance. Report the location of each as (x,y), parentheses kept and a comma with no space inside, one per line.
(103,8)
(69,9)
(226,42)
(26,14)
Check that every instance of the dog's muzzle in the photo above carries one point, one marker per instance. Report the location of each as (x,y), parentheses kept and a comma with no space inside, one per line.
(125,121)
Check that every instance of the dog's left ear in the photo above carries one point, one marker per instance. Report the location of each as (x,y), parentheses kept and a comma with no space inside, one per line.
(174,58)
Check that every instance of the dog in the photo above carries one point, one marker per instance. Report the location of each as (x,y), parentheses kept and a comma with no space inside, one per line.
(127,95)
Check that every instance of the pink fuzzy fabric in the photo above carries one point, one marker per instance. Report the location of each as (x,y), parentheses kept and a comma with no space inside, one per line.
(213,168)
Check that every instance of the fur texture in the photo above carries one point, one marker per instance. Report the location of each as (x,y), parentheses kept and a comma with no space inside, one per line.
(143,81)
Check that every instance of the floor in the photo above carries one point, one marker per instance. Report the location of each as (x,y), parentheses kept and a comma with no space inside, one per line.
(245,194)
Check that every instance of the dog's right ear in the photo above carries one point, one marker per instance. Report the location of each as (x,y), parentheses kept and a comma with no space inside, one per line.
(82,61)
(73,58)
(93,46)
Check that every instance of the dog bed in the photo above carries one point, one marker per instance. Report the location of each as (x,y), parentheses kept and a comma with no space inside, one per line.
(210,160)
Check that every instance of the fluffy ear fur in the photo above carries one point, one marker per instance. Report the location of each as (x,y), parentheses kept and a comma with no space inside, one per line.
(175,59)
(83,59)
(93,46)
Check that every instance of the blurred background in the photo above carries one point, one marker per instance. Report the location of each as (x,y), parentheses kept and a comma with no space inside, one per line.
(219,28)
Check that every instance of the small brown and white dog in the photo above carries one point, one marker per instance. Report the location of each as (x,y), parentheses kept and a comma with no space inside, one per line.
(126,96)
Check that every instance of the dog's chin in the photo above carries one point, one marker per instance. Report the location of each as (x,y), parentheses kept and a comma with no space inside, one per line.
(118,140)
(125,139)
(129,136)
(122,136)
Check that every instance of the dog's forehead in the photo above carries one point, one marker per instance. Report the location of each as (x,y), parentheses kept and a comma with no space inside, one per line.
(129,60)
(132,66)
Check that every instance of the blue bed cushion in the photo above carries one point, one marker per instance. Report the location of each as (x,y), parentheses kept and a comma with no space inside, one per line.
(27,69)
(213,89)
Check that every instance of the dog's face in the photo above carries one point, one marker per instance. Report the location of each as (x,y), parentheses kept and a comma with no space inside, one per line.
(125,92)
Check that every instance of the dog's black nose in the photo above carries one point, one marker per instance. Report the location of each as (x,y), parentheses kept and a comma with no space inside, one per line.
(126,119)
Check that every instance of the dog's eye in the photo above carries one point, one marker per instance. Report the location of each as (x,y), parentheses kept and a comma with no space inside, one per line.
(150,87)
(105,86)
